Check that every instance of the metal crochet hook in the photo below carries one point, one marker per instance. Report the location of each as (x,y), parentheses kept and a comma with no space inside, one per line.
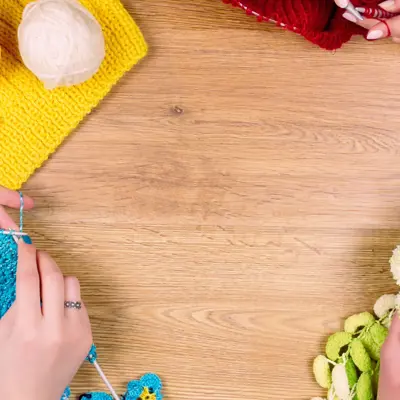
(352,10)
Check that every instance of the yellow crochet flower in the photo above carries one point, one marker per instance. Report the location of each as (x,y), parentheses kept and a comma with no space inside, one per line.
(146,395)
(34,121)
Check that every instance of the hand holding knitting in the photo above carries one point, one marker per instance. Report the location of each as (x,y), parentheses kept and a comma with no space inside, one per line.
(376,28)
(389,378)
(41,347)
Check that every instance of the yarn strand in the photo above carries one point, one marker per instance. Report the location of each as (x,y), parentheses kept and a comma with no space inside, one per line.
(21,212)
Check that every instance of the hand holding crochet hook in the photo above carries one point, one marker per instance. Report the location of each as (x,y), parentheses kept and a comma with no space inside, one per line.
(381,22)
(43,340)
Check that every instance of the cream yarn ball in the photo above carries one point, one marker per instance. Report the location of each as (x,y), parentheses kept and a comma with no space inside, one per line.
(60,42)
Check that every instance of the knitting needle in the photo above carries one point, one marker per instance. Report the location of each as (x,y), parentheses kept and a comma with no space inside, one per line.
(349,7)
(13,233)
(352,10)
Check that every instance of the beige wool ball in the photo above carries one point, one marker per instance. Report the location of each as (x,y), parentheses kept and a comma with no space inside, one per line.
(60,42)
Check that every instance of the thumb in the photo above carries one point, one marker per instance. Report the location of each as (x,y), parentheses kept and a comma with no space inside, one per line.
(394,331)
(389,27)
(391,5)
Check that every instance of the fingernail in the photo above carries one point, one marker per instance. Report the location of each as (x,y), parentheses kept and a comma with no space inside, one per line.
(27,239)
(349,17)
(342,3)
(388,5)
(373,35)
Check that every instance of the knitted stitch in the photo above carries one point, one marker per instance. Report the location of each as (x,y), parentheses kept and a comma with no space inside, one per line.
(319,21)
(34,121)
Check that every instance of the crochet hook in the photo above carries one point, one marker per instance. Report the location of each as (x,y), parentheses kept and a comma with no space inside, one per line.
(349,7)
(352,10)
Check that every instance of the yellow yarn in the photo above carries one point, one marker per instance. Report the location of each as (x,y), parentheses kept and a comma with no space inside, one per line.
(146,395)
(34,121)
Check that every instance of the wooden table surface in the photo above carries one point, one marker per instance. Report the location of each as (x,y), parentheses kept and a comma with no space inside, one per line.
(229,204)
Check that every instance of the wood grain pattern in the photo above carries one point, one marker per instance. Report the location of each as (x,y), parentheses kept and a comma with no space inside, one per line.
(233,199)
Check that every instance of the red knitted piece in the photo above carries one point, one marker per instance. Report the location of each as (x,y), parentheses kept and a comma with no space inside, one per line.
(319,21)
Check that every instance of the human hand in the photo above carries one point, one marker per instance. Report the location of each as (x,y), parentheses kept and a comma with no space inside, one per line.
(389,377)
(376,28)
(41,347)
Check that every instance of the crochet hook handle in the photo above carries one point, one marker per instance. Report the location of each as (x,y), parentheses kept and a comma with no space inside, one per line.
(375,12)
(105,380)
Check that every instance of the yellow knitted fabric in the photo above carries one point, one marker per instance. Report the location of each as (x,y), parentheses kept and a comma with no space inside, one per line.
(34,121)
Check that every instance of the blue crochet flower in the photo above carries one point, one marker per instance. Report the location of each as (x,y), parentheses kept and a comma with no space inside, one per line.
(147,388)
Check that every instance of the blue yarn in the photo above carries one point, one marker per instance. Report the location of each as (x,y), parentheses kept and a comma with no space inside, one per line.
(8,269)
(92,356)
(8,272)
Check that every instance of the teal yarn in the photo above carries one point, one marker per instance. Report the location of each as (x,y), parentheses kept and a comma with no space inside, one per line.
(8,272)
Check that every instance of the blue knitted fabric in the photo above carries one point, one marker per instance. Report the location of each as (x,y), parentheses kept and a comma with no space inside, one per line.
(8,269)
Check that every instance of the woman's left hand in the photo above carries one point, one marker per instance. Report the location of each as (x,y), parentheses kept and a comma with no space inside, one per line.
(378,29)
(11,199)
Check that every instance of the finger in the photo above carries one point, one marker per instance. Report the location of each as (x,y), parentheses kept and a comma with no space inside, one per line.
(6,221)
(390,27)
(11,199)
(342,3)
(391,5)
(393,337)
(366,23)
(28,284)
(72,293)
(52,288)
